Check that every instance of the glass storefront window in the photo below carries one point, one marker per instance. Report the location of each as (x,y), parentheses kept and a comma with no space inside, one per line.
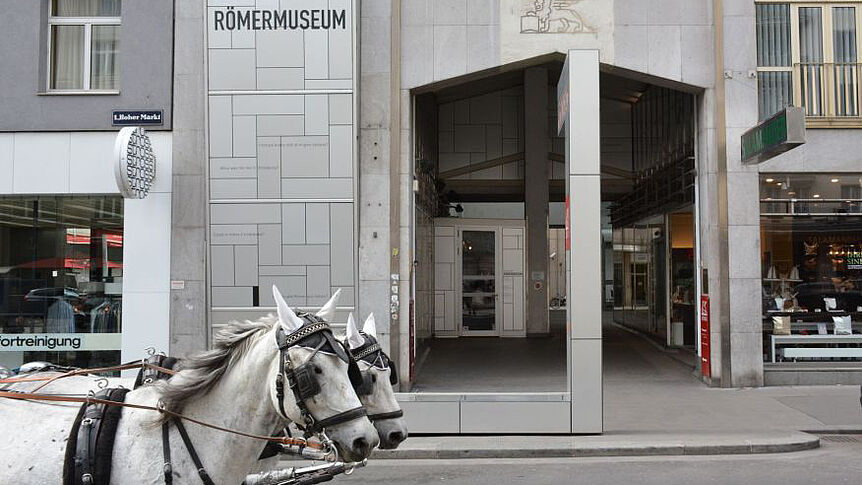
(811,248)
(61,276)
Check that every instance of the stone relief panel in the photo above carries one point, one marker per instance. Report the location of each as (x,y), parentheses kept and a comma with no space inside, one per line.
(530,28)
(552,17)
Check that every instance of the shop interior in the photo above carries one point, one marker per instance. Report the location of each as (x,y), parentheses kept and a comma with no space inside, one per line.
(811,253)
(61,273)
(489,223)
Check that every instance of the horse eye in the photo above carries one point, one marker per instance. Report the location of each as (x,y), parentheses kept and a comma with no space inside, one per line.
(318,370)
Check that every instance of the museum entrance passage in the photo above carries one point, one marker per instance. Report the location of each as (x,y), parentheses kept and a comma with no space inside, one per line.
(489,225)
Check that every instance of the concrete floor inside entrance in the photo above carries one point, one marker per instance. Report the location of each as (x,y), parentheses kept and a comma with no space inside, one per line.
(491,364)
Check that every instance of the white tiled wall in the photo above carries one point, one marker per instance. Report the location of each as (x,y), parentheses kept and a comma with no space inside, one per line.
(282,142)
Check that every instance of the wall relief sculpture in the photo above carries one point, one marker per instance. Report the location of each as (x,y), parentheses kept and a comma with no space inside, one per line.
(552,17)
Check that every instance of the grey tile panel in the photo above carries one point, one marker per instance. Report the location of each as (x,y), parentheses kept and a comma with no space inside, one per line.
(341,109)
(316,54)
(304,156)
(343,245)
(280,48)
(317,223)
(282,270)
(234,234)
(244,136)
(245,265)
(245,214)
(269,244)
(317,285)
(231,69)
(280,125)
(264,104)
(233,188)
(316,114)
(329,83)
(341,151)
(293,224)
(317,188)
(268,167)
(291,287)
(232,296)
(222,266)
(312,254)
(221,126)
(280,78)
(227,168)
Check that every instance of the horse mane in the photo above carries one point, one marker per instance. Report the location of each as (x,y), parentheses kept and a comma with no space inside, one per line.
(201,372)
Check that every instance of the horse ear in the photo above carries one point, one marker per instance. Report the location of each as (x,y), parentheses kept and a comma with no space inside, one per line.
(288,319)
(328,310)
(370,326)
(354,338)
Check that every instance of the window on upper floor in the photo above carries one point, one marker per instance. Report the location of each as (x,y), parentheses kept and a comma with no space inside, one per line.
(807,55)
(83,43)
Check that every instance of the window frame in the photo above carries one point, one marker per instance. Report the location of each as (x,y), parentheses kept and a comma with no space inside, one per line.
(829,119)
(87,23)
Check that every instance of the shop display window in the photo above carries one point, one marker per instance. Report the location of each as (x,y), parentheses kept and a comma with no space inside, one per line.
(811,248)
(61,277)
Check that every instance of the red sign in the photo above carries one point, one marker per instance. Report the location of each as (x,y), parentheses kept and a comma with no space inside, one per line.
(704,336)
(568,226)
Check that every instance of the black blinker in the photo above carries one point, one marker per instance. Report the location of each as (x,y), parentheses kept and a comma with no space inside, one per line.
(306,383)
(366,386)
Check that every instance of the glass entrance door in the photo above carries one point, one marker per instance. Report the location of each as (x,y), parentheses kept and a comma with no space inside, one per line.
(479,282)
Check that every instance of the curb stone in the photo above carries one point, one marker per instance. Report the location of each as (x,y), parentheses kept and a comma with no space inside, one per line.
(786,444)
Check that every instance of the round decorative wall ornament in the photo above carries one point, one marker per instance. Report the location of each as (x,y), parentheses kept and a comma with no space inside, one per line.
(135,169)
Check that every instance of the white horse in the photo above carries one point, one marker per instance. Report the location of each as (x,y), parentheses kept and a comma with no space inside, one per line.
(232,386)
(383,409)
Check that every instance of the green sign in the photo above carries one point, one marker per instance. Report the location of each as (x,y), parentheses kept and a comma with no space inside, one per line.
(776,135)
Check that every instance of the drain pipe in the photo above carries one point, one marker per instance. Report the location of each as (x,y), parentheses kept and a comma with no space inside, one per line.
(723,286)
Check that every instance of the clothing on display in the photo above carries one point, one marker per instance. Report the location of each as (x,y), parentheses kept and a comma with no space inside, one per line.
(105,318)
(60,318)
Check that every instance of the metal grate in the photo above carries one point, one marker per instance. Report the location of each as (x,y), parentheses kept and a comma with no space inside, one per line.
(840,438)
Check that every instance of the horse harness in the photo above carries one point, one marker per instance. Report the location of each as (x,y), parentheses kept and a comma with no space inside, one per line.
(301,379)
(371,353)
(90,446)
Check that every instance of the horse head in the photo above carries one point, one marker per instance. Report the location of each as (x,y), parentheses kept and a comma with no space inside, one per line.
(312,381)
(378,378)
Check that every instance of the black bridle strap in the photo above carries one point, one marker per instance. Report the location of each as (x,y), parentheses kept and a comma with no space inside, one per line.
(168,469)
(382,416)
(193,453)
(339,418)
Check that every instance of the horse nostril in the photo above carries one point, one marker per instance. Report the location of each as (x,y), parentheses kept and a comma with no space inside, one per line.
(360,446)
(396,437)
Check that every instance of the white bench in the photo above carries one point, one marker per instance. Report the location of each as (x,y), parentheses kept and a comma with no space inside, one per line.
(815,351)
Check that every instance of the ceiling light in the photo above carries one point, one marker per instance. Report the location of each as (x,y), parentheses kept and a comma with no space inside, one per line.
(770,180)
(816,196)
(834,181)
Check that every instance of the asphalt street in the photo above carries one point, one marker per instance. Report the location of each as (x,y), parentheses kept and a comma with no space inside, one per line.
(835,462)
